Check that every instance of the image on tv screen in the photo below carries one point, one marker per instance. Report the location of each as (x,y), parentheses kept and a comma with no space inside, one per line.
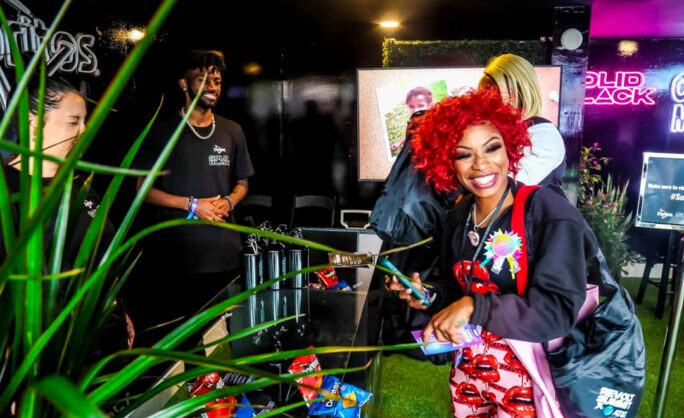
(388,97)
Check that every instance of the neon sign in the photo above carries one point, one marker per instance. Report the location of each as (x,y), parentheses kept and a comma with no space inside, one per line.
(624,88)
(71,53)
(677,95)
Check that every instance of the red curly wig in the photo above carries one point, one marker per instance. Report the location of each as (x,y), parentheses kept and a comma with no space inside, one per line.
(441,129)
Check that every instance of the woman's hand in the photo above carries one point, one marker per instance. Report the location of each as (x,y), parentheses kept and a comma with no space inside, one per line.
(405,293)
(447,324)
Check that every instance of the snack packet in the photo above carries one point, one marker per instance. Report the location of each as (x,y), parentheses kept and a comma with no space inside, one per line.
(207,383)
(304,364)
(354,397)
(471,333)
(327,277)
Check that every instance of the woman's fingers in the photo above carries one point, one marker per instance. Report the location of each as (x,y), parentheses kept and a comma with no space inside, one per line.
(395,285)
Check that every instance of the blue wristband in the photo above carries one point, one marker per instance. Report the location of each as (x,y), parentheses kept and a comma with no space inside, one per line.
(192,208)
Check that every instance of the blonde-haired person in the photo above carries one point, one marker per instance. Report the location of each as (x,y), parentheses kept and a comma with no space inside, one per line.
(516,80)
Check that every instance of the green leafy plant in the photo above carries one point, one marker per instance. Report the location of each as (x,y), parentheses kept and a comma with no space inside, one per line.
(51,315)
(602,203)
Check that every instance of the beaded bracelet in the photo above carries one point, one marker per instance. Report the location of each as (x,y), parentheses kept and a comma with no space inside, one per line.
(230,202)
(192,208)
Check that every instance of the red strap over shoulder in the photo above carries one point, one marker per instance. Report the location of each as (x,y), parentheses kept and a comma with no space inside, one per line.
(518,226)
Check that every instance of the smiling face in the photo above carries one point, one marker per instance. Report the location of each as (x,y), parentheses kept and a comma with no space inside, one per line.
(481,161)
(212,87)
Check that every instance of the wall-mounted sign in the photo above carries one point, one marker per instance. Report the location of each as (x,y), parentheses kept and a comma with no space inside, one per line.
(661,193)
(71,53)
(618,88)
(677,95)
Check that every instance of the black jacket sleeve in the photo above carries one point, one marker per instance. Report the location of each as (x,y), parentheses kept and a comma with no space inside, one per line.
(444,284)
(556,284)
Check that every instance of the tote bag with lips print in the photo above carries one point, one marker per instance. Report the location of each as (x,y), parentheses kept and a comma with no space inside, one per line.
(599,368)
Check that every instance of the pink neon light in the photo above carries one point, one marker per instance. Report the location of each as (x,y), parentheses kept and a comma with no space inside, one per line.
(624,88)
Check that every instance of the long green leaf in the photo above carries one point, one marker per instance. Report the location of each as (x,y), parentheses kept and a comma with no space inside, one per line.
(24,76)
(246,332)
(57,276)
(280,411)
(99,115)
(27,74)
(138,366)
(51,197)
(67,398)
(58,243)
(162,386)
(34,251)
(80,164)
(191,405)
(89,248)
(21,99)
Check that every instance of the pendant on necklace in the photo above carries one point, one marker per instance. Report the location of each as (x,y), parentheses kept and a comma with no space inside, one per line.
(474,238)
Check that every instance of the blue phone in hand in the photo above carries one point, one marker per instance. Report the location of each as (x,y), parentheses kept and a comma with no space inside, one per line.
(417,294)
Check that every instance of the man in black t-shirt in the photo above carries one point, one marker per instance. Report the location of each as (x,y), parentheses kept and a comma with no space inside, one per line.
(208,172)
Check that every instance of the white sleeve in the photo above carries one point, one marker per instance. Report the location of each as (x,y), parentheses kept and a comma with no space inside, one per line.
(545,155)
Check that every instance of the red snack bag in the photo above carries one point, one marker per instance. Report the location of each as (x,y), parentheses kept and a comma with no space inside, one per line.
(207,383)
(304,364)
(225,412)
(327,277)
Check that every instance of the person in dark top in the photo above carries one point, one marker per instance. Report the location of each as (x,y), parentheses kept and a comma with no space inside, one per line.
(516,80)
(64,120)
(208,173)
(473,142)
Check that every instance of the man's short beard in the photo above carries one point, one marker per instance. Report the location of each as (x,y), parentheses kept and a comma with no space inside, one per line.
(201,103)
(206,105)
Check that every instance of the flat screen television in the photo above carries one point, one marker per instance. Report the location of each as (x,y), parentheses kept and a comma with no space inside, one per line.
(384,109)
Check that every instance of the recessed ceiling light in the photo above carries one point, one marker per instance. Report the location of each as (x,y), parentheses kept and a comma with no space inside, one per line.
(135,35)
(628,48)
(389,24)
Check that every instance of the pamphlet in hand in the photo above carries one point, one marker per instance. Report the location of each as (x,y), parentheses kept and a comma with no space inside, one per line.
(471,335)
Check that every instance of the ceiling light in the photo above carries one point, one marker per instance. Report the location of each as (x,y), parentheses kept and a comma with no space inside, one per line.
(389,24)
(135,35)
(627,48)
(252,68)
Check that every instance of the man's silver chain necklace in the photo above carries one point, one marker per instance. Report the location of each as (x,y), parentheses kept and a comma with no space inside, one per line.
(192,128)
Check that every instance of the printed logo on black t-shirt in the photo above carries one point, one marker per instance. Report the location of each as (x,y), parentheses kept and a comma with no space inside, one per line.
(217,158)
(91,210)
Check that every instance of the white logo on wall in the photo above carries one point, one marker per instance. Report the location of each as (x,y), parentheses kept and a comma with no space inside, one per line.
(662,214)
(219,157)
(613,403)
(65,52)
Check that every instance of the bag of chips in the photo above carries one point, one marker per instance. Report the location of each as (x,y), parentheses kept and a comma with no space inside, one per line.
(350,407)
(305,364)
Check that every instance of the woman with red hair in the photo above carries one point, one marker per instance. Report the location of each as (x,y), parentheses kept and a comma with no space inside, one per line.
(474,143)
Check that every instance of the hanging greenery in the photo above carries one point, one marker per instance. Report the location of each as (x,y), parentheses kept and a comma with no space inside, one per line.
(459,53)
